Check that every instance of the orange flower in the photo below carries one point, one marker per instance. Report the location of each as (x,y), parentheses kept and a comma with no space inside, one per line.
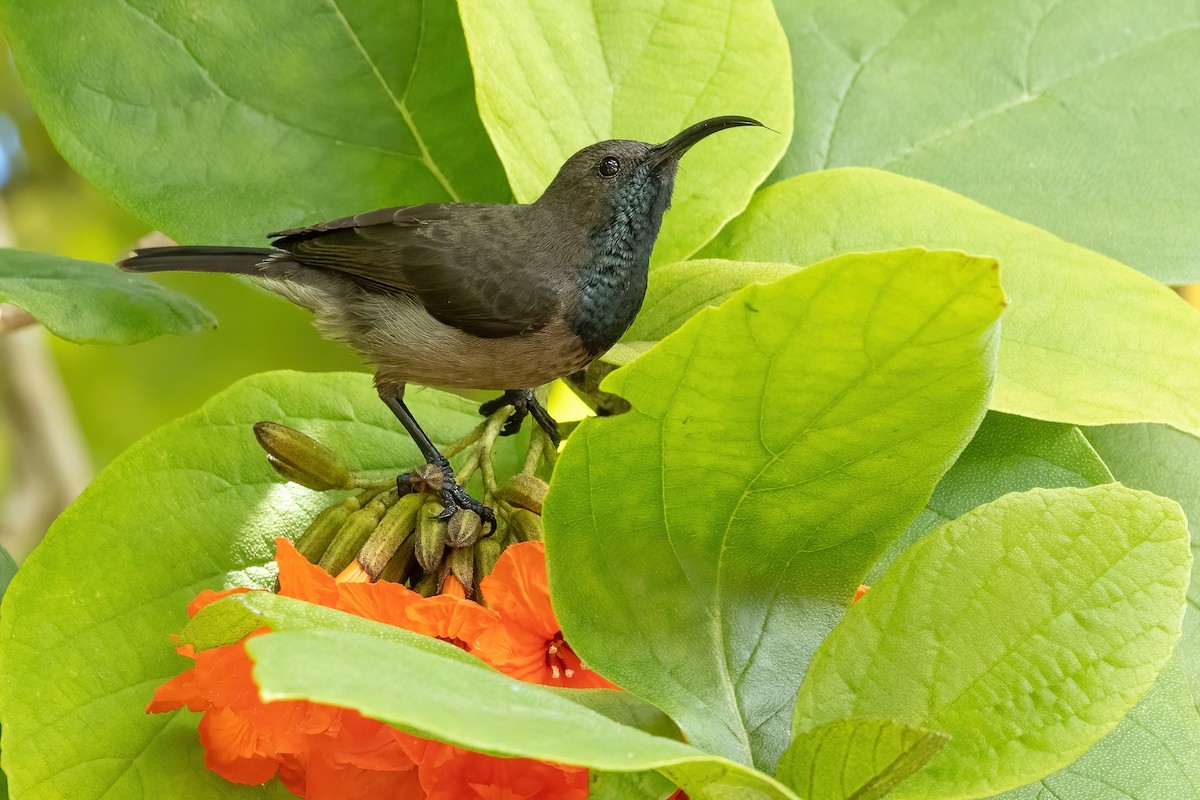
(471,776)
(247,741)
(528,643)
(452,619)
(859,592)
(321,752)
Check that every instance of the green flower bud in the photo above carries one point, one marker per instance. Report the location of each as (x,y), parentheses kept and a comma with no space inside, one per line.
(315,540)
(430,537)
(301,459)
(352,536)
(392,531)
(525,526)
(401,564)
(463,529)
(428,586)
(524,490)
(487,553)
(462,565)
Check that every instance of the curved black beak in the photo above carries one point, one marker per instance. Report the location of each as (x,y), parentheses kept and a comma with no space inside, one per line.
(680,143)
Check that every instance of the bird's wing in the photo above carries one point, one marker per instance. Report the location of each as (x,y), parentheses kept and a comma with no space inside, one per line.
(460,275)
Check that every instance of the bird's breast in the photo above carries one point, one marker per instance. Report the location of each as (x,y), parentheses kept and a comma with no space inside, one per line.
(612,285)
(611,294)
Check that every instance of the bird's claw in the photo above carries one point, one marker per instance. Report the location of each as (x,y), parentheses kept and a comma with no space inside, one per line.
(513,424)
(454,497)
(524,404)
(438,478)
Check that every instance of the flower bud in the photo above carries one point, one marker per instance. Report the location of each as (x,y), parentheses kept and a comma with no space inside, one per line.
(487,553)
(425,478)
(524,490)
(352,536)
(315,540)
(396,526)
(430,537)
(301,459)
(463,529)
(401,564)
(462,566)
(525,526)
(427,586)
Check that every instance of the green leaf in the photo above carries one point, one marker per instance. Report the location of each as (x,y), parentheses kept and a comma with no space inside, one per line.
(85,627)
(91,303)
(224,623)
(677,291)
(701,545)
(1025,629)
(219,122)
(1008,454)
(625,708)
(1166,462)
(1087,340)
(1079,117)
(856,759)
(1151,755)
(554,76)
(629,786)
(328,656)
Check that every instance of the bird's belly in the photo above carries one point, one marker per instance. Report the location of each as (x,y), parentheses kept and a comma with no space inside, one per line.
(409,346)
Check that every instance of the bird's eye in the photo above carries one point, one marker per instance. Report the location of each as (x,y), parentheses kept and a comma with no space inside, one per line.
(608,167)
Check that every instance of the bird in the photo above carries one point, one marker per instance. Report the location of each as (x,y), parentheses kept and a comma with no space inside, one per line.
(503,297)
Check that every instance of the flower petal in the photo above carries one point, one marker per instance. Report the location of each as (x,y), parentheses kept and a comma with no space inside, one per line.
(302,580)
(473,776)
(176,693)
(383,602)
(327,780)
(231,748)
(518,589)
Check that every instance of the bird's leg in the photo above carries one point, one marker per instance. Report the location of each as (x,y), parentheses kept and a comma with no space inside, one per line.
(524,403)
(452,495)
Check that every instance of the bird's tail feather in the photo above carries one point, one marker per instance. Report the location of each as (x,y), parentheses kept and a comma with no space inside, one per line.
(237,260)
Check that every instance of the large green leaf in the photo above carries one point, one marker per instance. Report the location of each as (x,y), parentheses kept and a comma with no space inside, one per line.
(330,657)
(85,625)
(1165,462)
(1025,629)
(702,545)
(224,623)
(554,76)
(1086,341)
(1151,755)
(223,121)
(677,291)
(90,303)
(1079,117)
(856,759)
(1008,454)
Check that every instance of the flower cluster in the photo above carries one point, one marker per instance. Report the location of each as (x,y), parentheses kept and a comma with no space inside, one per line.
(321,752)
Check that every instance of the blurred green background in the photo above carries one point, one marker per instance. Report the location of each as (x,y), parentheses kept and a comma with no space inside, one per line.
(121,393)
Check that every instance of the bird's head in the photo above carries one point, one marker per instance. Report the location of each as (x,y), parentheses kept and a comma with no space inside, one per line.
(621,177)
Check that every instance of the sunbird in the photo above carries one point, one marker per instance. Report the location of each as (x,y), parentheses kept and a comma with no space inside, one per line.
(473,295)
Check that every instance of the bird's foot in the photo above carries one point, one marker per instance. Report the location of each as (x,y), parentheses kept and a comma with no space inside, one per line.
(524,404)
(438,478)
